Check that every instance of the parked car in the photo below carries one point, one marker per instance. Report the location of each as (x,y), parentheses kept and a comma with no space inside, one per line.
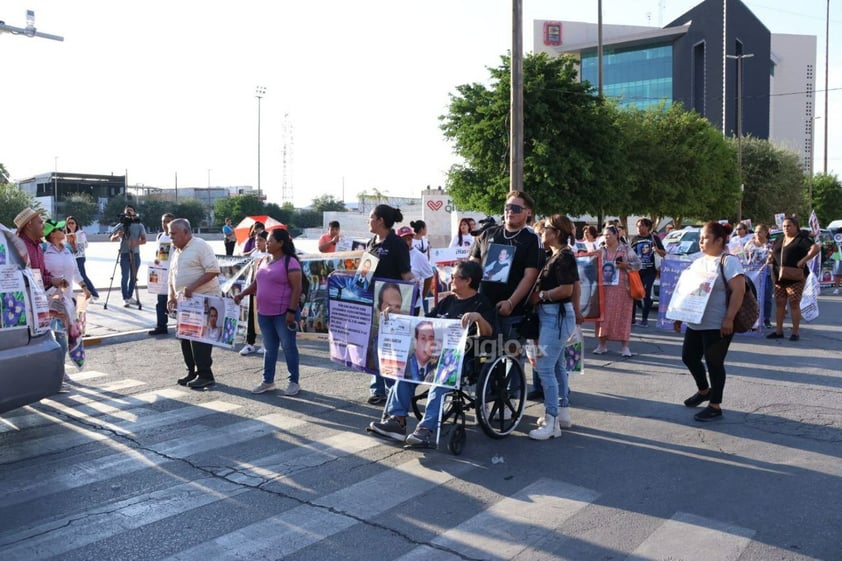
(31,368)
(677,242)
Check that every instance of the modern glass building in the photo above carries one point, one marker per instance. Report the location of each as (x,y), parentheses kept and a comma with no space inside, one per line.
(717,59)
(636,76)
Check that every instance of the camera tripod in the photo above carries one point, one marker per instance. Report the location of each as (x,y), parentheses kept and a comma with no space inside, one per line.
(134,267)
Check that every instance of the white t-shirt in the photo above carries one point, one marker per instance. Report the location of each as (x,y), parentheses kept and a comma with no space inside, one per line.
(421,268)
(467,241)
(716,307)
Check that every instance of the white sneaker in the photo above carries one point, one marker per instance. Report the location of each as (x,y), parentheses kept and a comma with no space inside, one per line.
(127,302)
(247,350)
(550,429)
(265,387)
(261,351)
(292,389)
(564,420)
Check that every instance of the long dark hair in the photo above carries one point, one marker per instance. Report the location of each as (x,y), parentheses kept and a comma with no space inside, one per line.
(464,221)
(254,227)
(281,235)
(78,226)
(389,214)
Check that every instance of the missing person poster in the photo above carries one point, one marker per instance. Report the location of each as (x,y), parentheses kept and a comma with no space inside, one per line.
(355,313)
(591,294)
(498,263)
(13,300)
(421,350)
(209,319)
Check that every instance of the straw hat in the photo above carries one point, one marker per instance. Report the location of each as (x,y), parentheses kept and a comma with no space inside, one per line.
(24,217)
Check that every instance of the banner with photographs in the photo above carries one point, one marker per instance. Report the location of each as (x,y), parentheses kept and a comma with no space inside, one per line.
(421,350)
(39,306)
(672,266)
(157,271)
(209,319)
(355,316)
(318,267)
(13,298)
(690,295)
(590,281)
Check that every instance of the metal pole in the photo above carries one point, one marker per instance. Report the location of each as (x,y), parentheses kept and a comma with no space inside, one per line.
(516,117)
(55,189)
(259,93)
(740,134)
(599,47)
(826,82)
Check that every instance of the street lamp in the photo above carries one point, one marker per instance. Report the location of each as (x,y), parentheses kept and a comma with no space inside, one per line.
(739,59)
(259,93)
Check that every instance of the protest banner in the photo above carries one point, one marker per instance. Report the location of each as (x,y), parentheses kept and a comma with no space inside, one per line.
(590,282)
(354,316)
(13,298)
(209,319)
(421,350)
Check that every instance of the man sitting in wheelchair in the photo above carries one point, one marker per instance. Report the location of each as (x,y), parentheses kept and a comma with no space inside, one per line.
(475,310)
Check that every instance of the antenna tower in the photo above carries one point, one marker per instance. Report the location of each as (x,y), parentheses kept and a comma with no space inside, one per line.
(287,160)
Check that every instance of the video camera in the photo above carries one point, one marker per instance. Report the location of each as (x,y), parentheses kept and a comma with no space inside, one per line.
(486,223)
(125,221)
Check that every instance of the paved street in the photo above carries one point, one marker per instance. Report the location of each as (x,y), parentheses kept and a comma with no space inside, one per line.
(131,466)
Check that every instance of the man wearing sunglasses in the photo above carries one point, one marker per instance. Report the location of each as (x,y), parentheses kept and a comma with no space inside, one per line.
(510,296)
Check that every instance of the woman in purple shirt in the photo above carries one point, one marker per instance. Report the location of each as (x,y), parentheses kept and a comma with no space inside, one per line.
(278,287)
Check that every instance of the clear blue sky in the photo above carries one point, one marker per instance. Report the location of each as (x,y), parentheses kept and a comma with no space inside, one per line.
(165,87)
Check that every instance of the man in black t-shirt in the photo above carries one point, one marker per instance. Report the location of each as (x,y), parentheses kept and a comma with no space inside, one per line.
(509,297)
(476,313)
(646,245)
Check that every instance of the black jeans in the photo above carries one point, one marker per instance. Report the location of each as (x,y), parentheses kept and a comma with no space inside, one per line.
(197,357)
(648,277)
(161,312)
(711,345)
(251,332)
(229,247)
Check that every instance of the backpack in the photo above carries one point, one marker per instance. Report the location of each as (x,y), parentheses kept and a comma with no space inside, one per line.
(305,283)
(749,310)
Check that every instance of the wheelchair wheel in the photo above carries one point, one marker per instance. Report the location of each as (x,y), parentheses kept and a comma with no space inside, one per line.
(457,439)
(501,394)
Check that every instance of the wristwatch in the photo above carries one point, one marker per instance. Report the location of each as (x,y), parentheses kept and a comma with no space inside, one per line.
(541,296)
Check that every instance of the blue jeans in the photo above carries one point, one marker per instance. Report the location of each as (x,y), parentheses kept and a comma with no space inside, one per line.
(128,273)
(80,262)
(400,400)
(767,296)
(275,333)
(555,329)
(647,276)
(161,312)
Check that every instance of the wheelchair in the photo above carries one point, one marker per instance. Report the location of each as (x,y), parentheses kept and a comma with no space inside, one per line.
(493,385)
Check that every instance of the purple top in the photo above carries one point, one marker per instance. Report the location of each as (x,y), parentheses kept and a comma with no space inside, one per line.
(273,289)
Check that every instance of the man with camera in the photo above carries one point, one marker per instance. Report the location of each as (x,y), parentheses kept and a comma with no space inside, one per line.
(131,235)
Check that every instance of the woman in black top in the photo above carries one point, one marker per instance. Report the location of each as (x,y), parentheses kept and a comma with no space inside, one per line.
(393,256)
(793,249)
(553,296)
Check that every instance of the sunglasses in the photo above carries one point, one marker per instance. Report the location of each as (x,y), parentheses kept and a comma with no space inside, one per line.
(514,209)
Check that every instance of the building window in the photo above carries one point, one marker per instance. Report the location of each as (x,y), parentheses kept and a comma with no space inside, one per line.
(638,77)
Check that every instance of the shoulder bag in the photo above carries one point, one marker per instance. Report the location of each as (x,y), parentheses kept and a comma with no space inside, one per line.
(749,310)
(789,273)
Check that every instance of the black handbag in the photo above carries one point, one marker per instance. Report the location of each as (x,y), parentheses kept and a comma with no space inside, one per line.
(529,327)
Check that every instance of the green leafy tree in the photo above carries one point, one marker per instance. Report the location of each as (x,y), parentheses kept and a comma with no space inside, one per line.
(4,174)
(81,206)
(193,210)
(676,164)
(773,179)
(571,157)
(827,198)
(151,210)
(12,201)
(328,203)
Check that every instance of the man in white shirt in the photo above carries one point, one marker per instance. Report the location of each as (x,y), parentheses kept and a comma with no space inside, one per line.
(194,269)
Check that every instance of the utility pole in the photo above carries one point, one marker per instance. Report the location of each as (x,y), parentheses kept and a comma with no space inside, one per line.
(826,87)
(516,117)
(739,59)
(599,47)
(259,93)
(29,30)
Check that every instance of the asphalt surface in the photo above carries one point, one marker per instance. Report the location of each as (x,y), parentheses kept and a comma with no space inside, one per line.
(131,466)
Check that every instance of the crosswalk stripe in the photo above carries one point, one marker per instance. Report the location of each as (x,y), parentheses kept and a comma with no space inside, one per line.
(285,534)
(58,537)
(86,375)
(87,397)
(693,538)
(75,435)
(127,460)
(509,526)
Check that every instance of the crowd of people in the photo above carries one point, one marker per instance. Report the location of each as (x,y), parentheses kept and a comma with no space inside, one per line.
(522,264)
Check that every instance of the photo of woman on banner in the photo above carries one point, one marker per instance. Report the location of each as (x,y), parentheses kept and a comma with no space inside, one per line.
(609,274)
